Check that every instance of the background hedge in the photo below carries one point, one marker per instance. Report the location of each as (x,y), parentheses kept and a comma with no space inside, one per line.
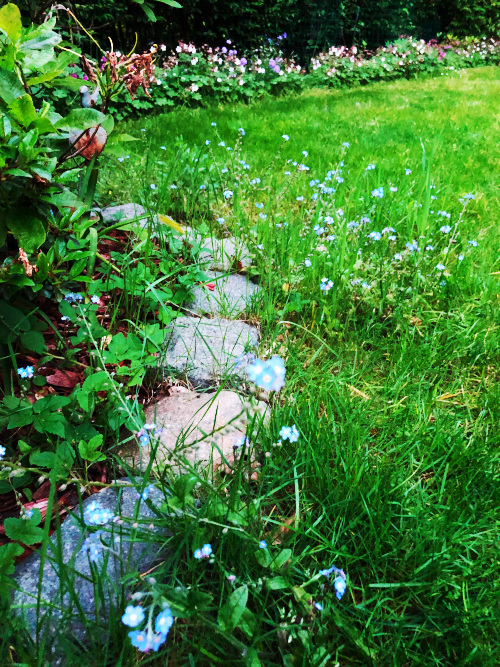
(311,25)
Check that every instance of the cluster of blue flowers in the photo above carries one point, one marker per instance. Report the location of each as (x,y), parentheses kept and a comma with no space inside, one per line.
(204,552)
(93,546)
(289,433)
(147,640)
(26,372)
(144,436)
(73,297)
(95,515)
(269,375)
(2,452)
(339,583)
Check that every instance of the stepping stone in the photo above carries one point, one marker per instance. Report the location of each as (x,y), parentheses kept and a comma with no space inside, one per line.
(231,296)
(133,554)
(223,254)
(200,428)
(206,350)
(123,212)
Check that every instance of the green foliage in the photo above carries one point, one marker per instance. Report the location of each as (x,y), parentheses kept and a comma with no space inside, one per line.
(24,530)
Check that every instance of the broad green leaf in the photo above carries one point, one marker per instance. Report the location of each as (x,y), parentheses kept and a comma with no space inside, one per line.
(79,120)
(97,382)
(24,530)
(41,37)
(263,557)
(33,340)
(28,230)
(43,459)
(10,22)
(247,622)
(230,614)
(10,86)
(5,127)
(281,559)
(18,172)
(8,553)
(277,583)
(23,110)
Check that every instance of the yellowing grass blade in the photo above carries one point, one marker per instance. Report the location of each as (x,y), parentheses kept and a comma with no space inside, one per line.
(170,223)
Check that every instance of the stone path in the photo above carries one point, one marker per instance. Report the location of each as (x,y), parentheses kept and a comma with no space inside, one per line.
(199,429)
(226,295)
(131,550)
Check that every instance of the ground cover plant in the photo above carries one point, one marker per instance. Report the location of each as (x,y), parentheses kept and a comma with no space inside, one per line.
(369,534)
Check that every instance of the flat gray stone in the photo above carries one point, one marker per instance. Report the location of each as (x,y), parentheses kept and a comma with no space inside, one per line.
(197,428)
(135,550)
(231,296)
(114,214)
(223,254)
(206,350)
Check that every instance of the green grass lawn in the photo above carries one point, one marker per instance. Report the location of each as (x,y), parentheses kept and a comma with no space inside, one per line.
(392,374)
(394,388)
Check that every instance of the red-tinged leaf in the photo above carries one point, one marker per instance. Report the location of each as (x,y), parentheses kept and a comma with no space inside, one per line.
(64,378)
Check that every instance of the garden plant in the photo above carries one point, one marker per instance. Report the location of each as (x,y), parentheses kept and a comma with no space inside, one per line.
(357,522)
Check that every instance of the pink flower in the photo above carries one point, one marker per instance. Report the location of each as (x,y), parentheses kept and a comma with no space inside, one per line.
(75,76)
(85,77)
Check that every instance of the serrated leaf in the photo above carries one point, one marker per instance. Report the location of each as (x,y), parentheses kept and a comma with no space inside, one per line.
(230,614)
(43,459)
(97,382)
(25,531)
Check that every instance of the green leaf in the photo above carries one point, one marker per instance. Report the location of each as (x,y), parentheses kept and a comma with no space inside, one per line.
(247,623)
(24,530)
(263,557)
(88,449)
(23,110)
(79,120)
(230,614)
(10,86)
(97,382)
(41,37)
(280,559)
(28,230)
(277,583)
(148,11)
(7,554)
(171,3)
(43,459)
(34,341)
(10,22)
